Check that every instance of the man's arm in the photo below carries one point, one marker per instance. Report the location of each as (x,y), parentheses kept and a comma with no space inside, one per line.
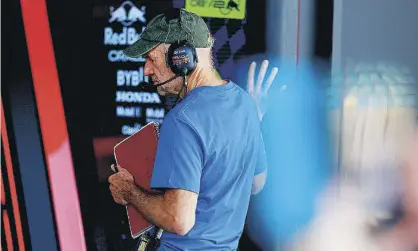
(258,182)
(173,211)
(177,170)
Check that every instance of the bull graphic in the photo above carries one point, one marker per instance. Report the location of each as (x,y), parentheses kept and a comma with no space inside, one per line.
(127,14)
(118,15)
(136,14)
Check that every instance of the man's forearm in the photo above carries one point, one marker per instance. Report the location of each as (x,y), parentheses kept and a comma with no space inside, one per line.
(154,208)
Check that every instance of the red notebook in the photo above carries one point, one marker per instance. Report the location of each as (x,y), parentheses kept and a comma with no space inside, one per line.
(137,154)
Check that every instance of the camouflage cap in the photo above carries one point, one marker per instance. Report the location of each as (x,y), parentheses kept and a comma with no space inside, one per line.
(174,26)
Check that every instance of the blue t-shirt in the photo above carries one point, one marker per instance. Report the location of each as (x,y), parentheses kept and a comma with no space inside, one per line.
(211,144)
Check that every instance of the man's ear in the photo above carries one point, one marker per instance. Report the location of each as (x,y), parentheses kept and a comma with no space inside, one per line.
(166,46)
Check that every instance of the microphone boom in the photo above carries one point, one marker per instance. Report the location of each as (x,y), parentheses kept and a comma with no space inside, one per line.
(151,87)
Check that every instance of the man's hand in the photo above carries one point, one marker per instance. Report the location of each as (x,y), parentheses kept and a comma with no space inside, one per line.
(122,185)
(258,94)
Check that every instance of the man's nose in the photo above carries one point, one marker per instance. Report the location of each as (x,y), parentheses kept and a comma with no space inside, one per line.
(148,69)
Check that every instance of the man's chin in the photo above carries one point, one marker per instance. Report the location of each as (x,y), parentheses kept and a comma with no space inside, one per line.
(161,91)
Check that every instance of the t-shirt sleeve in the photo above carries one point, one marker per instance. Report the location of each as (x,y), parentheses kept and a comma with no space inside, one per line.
(179,157)
(261,158)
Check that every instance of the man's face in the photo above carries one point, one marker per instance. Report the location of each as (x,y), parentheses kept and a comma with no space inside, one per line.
(156,68)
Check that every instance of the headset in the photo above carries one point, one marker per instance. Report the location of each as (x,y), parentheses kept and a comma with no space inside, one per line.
(181,57)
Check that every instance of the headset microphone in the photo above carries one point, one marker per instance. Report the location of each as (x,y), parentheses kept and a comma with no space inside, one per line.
(152,87)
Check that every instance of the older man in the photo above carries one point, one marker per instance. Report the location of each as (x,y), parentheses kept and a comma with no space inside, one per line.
(210,155)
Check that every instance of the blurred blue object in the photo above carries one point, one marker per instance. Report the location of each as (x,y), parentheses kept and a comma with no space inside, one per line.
(297,147)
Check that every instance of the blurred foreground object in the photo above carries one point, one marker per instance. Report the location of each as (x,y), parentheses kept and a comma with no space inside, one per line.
(377,114)
(373,203)
(404,236)
(345,221)
(295,135)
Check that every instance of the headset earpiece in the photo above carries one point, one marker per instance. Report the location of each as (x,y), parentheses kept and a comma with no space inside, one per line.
(181,58)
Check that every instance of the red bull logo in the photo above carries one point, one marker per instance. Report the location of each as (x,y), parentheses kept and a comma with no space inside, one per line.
(127,13)
(128,36)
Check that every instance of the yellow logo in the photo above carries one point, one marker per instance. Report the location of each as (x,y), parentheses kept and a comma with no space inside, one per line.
(232,9)
(217,74)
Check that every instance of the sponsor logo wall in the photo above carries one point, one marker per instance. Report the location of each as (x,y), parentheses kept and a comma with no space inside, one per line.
(121,24)
(122,106)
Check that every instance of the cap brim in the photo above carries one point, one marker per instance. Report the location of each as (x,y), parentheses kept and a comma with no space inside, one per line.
(139,48)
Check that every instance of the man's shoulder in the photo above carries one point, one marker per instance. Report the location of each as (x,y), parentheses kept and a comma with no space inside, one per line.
(173,117)
(180,116)
(180,112)
(196,108)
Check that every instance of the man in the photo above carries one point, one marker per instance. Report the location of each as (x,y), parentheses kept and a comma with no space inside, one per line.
(210,149)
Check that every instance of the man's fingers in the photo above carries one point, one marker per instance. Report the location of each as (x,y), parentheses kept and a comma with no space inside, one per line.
(122,170)
(114,177)
(117,200)
(117,168)
(271,78)
(116,197)
(251,74)
(110,179)
(261,75)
